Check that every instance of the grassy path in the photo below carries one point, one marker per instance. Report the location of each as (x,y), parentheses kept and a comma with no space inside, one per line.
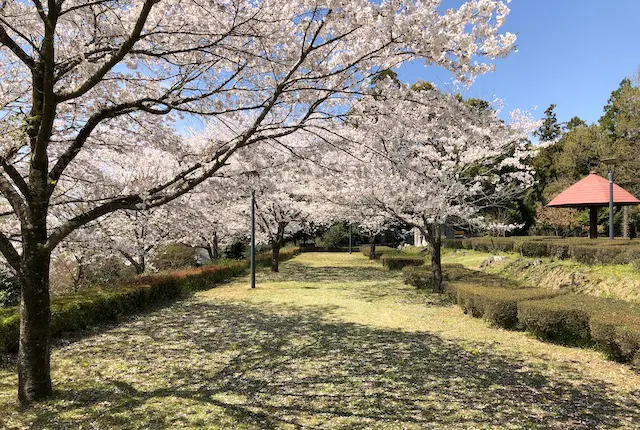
(332,341)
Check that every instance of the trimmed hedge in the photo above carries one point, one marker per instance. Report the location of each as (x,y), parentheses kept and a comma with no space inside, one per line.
(618,336)
(78,311)
(263,259)
(499,306)
(583,250)
(396,261)
(421,276)
(611,325)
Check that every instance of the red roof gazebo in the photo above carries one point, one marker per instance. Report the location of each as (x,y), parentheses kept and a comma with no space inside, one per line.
(592,192)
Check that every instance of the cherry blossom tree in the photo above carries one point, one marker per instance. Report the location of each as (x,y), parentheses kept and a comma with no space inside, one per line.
(427,159)
(81,79)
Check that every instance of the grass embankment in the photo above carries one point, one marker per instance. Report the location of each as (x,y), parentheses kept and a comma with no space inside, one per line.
(332,341)
(621,281)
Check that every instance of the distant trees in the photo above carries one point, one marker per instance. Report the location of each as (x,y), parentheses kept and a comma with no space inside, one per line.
(580,148)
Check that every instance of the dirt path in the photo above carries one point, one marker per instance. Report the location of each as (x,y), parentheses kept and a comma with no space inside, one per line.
(332,341)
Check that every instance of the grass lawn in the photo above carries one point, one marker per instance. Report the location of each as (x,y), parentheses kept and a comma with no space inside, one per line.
(332,341)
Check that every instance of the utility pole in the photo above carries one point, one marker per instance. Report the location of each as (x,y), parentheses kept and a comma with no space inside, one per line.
(610,163)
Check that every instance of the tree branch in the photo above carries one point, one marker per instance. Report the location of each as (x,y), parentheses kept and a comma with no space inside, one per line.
(97,77)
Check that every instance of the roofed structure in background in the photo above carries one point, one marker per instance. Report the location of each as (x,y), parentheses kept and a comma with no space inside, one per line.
(592,192)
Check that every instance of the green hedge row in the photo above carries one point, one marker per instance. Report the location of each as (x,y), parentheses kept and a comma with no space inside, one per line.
(498,305)
(396,261)
(380,250)
(611,325)
(263,259)
(583,250)
(78,311)
(421,276)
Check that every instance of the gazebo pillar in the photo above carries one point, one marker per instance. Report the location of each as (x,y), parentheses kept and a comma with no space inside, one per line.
(593,222)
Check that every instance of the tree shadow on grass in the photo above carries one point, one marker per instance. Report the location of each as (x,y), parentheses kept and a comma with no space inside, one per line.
(237,365)
(299,272)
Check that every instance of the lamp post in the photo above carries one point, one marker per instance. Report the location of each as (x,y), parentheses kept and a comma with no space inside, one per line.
(610,163)
(349,238)
(253,239)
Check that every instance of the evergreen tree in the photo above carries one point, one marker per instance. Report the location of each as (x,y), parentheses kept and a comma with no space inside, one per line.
(550,129)
(612,110)
(575,122)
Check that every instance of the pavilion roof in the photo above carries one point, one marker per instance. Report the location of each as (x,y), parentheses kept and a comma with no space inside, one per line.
(592,190)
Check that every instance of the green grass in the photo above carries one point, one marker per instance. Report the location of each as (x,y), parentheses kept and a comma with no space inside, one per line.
(331,341)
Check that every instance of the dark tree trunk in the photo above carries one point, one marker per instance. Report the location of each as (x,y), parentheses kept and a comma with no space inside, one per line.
(275,257)
(210,252)
(434,236)
(216,248)
(436,269)
(372,247)
(34,376)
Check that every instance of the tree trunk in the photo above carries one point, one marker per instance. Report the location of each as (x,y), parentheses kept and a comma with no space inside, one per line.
(210,252)
(436,259)
(34,375)
(275,257)
(216,249)
(372,247)
(434,236)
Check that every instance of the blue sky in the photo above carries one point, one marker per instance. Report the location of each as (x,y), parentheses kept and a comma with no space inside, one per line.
(570,52)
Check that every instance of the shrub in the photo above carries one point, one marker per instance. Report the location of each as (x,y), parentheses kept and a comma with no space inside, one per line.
(499,306)
(104,271)
(615,328)
(563,319)
(335,236)
(77,311)
(174,256)
(421,276)
(263,259)
(418,276)
(396,261)
(9,289)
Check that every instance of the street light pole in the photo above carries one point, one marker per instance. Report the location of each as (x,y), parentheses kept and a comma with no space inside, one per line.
(349,238)
(610,163)
(253,239)
(611,204)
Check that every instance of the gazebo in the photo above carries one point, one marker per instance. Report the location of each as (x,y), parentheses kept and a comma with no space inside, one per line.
(592,192)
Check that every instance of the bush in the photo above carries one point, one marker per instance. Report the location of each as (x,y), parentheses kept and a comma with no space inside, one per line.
(612,325)
(418,276)
(563,319)
(9,289)
(174,256)
(618,335)
(104,271)
(335,236)
(396,261)
(422,277)
(499,306)
(77,311)
(236,251)
(263,259)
